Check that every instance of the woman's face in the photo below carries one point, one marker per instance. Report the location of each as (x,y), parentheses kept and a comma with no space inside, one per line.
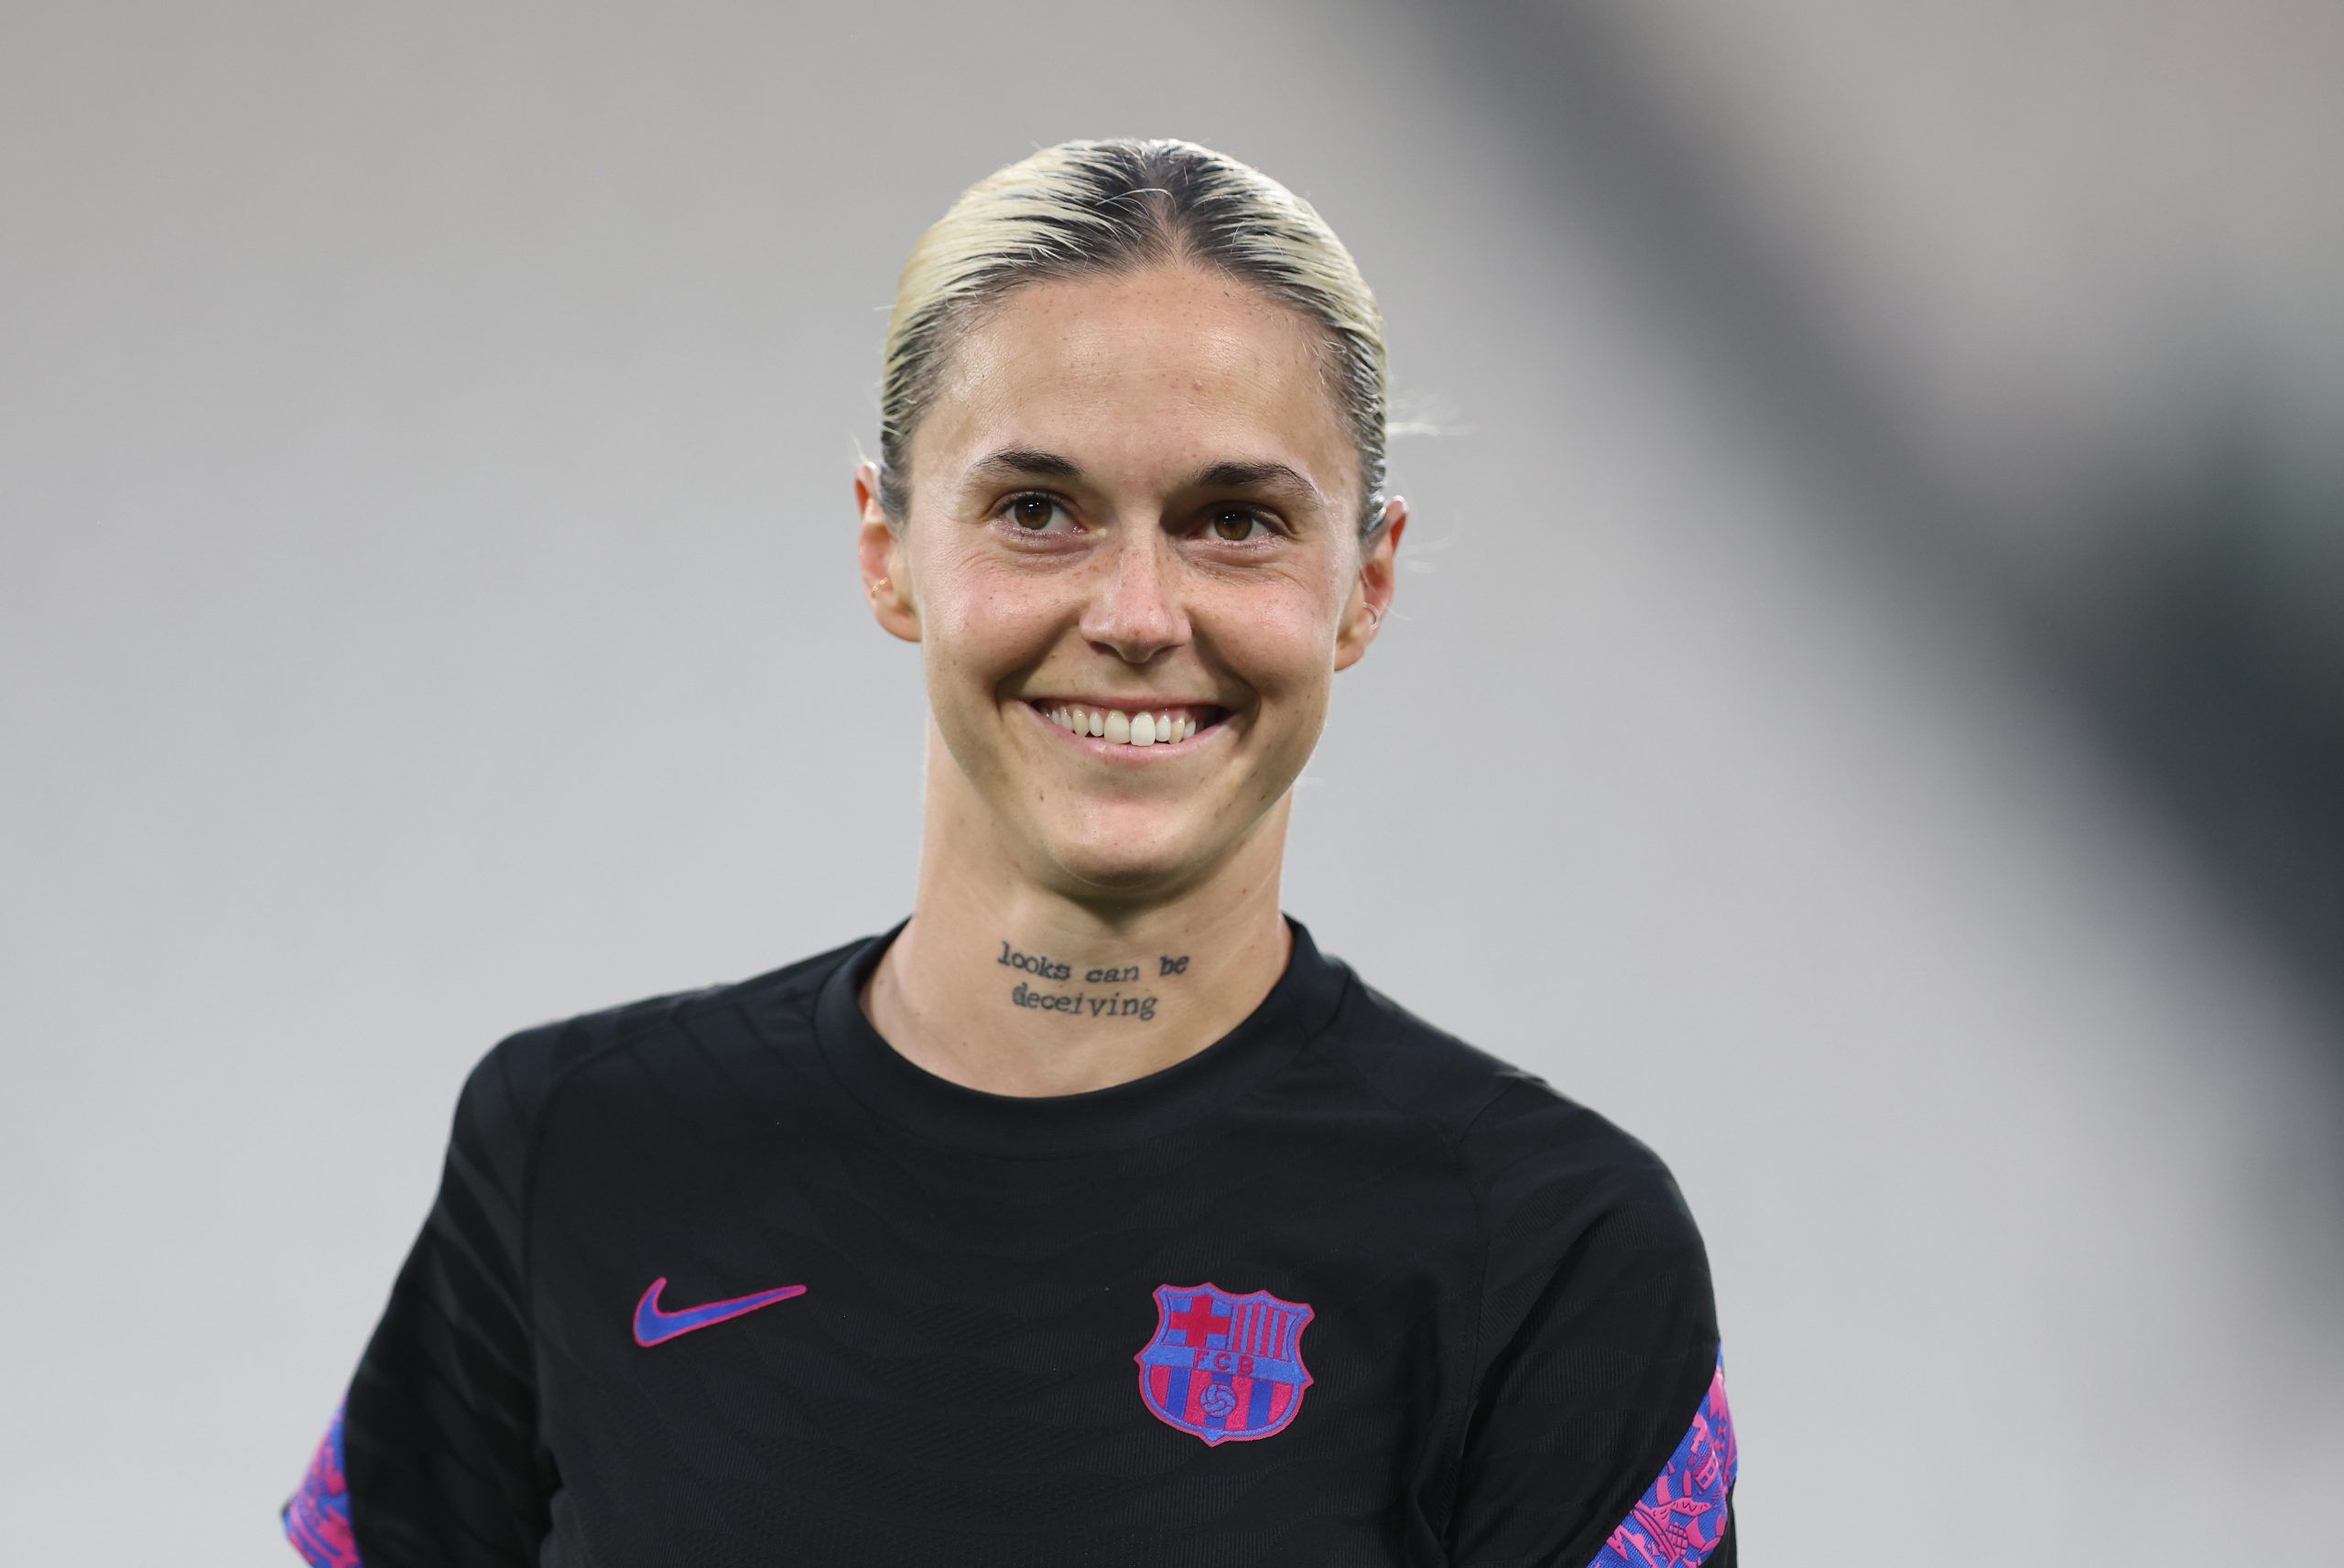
(1133,495)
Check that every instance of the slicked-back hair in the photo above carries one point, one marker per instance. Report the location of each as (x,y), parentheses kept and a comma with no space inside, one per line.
(1120,205)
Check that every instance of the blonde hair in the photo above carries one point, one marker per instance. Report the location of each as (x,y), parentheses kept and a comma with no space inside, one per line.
(1120,205)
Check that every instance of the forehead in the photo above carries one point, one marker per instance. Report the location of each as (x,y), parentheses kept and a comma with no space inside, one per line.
(1140,377)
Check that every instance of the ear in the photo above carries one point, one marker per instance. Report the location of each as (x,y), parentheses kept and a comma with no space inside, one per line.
(1370,598)
(886,565)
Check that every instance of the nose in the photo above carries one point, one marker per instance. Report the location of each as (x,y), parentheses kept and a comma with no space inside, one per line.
(1135,606)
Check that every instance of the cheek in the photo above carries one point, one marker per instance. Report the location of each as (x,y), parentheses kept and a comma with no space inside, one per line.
(1281,642)
(989,624)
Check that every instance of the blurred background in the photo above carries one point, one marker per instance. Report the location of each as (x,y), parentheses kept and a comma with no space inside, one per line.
(1865,710)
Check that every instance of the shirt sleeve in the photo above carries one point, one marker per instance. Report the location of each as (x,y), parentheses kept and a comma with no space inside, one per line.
(433,1456)
(1600,1435)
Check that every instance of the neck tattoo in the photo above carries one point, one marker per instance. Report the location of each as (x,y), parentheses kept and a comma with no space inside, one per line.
(1100,990)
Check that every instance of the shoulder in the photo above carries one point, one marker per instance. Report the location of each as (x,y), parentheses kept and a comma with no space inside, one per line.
(1594,1335)
(1510,1130)
(509,1089)
(1576,1215)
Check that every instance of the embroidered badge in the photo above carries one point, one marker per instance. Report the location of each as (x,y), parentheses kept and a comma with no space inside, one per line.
(1224,1368)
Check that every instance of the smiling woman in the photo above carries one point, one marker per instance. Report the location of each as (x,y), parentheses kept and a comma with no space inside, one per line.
(1090,1214)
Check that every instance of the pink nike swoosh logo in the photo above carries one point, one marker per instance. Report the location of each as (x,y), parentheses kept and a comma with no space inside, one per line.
(653,1326)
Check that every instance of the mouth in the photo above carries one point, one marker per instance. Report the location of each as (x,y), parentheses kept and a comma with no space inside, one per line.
(1131,730)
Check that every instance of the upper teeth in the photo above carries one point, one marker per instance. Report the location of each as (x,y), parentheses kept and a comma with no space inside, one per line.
(1142,728)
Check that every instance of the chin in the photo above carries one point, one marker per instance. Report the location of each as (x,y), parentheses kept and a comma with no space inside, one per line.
(1128,861)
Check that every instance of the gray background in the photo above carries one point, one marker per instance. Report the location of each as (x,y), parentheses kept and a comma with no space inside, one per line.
(1861,710)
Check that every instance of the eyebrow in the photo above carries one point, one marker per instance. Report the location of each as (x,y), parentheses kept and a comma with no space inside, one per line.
(1015,462)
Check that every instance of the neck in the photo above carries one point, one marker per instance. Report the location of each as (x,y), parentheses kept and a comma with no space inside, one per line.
(1006,983)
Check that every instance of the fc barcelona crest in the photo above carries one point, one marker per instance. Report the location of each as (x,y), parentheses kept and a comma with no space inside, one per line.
(1222,1366)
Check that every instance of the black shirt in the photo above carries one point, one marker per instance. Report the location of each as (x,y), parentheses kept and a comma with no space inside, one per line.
(719,1278)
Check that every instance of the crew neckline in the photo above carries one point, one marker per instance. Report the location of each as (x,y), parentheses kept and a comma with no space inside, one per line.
(1298,1007)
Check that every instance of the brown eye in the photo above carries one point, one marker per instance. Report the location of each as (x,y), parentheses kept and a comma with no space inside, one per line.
(1243,521)
(1031,514)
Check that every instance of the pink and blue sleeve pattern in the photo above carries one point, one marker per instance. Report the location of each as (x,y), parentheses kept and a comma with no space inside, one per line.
(316,1521)
(1682,1517)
